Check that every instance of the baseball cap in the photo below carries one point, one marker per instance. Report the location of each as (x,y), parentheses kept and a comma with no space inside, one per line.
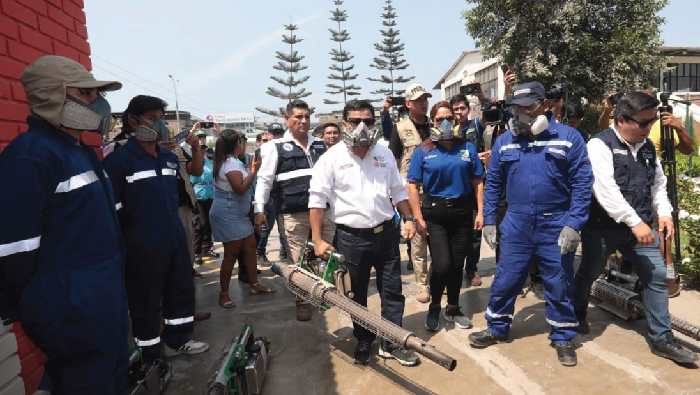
(528,93)
(415,91)
(200,133)
(275,126)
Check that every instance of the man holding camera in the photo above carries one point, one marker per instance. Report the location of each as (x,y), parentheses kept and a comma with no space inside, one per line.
(544,168)
(408,134)
(629,187)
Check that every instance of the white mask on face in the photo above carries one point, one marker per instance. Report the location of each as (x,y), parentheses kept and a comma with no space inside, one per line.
(361,136)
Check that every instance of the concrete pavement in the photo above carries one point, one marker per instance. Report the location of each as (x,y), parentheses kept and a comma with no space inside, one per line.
(315,357)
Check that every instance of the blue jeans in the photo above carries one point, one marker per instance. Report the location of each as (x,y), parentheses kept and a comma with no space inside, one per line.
(271,211)
(598,245)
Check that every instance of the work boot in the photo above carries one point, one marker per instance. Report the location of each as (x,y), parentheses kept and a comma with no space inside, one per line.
(484,339)
(198,259)
(672,350)
(262,260)
(674,286)
(566,353)
(473,279)
(303,311)
(191,347)
(202,315)
(362,352)
(423,295)
(582,322)
(432,320)
(403,356)
(454,314)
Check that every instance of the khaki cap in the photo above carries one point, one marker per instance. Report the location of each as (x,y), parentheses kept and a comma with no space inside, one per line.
(415,91)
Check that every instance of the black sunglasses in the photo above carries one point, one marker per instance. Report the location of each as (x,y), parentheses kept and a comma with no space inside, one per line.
(357,121)
(439,120)
(642,124)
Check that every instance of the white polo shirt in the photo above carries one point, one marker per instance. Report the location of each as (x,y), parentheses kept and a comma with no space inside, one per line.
(359,191)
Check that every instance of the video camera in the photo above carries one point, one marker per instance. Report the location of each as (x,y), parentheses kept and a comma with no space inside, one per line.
(616,97)
(470,89)
(556,92)
(495,113)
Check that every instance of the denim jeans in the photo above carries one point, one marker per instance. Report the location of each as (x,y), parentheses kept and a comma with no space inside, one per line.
(271,213)
(598,245)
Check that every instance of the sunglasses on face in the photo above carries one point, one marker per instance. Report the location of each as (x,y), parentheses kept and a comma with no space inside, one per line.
(450,119)
(357,121)
(643,124)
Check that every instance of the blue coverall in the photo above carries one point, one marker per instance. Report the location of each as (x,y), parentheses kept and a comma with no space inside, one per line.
(548,186)
(157,256)
(62,260)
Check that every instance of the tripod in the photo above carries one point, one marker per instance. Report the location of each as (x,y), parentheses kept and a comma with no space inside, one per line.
(668,161)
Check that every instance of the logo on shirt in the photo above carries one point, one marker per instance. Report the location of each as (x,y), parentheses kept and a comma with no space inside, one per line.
(619,151)
(464,155)
(343,167)
(646,154)
(379,158)
(287,146)
(430,157)
(558,151)
(171,165)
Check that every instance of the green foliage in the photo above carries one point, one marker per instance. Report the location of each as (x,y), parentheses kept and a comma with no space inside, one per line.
(390,56)
(342,70)
(594,46)
(689,218)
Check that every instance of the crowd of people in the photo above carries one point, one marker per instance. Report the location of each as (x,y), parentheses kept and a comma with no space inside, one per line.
(101,241)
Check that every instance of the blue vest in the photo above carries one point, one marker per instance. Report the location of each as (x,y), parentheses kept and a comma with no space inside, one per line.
(293,175)
(634,177)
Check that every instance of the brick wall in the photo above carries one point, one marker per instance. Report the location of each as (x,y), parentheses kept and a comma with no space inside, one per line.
(28,30)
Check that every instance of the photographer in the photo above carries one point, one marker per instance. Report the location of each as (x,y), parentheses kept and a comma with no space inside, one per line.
(572,114)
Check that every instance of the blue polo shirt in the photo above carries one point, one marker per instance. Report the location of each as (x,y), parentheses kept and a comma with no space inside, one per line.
(445,173)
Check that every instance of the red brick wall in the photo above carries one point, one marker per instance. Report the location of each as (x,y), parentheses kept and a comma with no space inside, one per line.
(28,30)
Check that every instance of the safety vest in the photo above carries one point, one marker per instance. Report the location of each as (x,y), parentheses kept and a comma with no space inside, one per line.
(293,175)
(634,178)
(410,139)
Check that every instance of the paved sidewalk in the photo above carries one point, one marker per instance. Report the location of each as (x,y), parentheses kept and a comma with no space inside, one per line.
(315,357)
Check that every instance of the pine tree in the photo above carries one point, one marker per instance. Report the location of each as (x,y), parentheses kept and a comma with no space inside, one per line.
(341,57)
(390,57)
(289,63)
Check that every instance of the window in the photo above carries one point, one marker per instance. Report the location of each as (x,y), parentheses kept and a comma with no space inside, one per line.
(488,78)
(684,77)
(452,90)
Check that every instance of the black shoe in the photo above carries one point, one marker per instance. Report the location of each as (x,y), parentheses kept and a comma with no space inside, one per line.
(672,350)
(484,338)
(362,352)
(198,259)
(409,265)
(582,322)
(455,315)
(432,320)
(211,254)
(566,353)
(403,356)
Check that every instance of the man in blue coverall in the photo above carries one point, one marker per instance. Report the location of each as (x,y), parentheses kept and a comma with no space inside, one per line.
(144,178)
(61,253)
(545,169)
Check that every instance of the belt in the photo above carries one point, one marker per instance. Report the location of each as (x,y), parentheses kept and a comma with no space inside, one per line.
(388,224)
(447,202)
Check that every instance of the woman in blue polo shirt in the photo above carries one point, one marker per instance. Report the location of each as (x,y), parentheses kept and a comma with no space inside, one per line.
(449,169)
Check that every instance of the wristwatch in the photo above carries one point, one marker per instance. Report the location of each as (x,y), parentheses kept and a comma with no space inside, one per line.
(405,219)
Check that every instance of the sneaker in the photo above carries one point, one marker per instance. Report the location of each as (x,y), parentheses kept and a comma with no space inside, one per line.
(303,311)
(674,286)
(403,356)
(191,347)
(362,352)
(473,279)
(566,353)
(409,265)
(432,320)
(423,295)
(198,259)
(454,314)
(582,322)
(672,350)
(262,260)
(211,254)
(484,339)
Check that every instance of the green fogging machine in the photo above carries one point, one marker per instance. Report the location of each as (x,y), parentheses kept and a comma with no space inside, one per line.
(241,367)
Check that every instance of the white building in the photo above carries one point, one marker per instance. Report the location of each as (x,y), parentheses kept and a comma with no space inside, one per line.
(245,122)
(471,67)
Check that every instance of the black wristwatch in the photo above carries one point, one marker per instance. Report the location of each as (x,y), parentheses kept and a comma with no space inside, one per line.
(405,219)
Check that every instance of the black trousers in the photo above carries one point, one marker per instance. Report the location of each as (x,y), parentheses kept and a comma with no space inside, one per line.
(202,228)
(449,235)
(474,252)
(364,251)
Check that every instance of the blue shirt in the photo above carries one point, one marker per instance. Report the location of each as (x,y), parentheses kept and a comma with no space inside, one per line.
(204,184)
(445,173)
(387,125)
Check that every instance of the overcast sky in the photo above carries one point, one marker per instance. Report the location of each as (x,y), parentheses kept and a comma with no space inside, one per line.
(222,51)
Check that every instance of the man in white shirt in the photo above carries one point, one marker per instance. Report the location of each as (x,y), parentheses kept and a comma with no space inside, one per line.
(287,162)
(629,187)
(359,180)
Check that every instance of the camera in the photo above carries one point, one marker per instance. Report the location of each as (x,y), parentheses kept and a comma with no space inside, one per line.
(470,89)
(504,68)
(616,97)
(398,101)
(556,92)
(206,125)
(495,113)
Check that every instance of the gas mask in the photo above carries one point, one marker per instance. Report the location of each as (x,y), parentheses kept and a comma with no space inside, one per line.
(156,132)
(361,136)
(95,117)
(446,131)
(523,124)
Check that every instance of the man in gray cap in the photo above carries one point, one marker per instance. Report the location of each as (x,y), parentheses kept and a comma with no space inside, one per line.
(61,253)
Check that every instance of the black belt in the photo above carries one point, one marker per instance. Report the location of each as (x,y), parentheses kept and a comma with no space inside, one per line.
(447,202)
(388,224)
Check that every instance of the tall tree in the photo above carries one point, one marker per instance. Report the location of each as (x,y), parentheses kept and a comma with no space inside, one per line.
(390,54)
(594,46)
(341,57)
(289,63)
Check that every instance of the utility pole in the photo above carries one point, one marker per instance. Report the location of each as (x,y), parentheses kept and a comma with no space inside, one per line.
(177,107)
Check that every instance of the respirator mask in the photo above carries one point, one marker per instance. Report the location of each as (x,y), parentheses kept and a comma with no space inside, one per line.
(446,131)
(361,136)
(523,124)
(158,131)
(95,117)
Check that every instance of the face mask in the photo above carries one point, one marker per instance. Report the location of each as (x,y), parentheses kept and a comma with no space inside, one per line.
(523,124)
(156,132)
(446,131)
(361,136)
(103,109)
(77,115)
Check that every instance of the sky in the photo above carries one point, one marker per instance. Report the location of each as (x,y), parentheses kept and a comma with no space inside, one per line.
(221,52)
